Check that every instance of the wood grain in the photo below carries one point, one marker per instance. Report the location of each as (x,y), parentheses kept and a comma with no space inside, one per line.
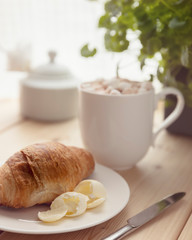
(187,233)
(165,169)
(10,115)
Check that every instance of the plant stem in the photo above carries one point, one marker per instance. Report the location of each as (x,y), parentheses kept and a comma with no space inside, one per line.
(168,6)
(117,70)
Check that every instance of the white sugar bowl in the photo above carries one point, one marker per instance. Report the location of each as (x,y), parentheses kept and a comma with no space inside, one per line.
(49,93)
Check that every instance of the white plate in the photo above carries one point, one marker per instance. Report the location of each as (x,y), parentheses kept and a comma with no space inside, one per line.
(26,221)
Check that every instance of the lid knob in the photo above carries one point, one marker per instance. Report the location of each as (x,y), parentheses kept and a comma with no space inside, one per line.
(52,55)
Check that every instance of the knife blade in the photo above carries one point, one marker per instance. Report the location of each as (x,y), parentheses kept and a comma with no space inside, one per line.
(145,216)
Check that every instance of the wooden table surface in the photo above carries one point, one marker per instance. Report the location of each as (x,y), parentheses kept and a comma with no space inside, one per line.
(166,169)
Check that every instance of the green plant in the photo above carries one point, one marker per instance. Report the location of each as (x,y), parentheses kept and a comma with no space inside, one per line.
(163,27)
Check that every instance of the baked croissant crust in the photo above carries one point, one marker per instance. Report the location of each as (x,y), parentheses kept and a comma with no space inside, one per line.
(40,172)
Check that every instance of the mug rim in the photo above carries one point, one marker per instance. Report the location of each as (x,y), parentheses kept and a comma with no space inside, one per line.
(152,90)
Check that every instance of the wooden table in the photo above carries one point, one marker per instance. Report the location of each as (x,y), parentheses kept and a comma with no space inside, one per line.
(166,169)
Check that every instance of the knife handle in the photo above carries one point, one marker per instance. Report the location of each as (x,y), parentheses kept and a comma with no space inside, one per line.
(119,234)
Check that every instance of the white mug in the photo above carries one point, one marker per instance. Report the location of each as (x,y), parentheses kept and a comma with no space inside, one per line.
(118,130)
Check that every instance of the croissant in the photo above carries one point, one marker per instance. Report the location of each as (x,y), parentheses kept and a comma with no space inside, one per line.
(40,172)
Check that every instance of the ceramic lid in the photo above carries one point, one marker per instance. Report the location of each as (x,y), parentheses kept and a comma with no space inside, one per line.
(51,70)
(50,76)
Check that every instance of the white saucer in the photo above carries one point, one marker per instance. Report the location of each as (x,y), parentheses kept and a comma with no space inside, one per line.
(26,221)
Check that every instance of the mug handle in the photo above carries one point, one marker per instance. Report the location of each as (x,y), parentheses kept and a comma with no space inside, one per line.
(176,112)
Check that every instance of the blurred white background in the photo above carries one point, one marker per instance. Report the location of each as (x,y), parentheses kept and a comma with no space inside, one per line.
(30,28)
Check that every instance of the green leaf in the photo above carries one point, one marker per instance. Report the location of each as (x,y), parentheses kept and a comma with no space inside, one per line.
(175,23)
(116,42)
(105,21)
(190,86)
(113,7)
(86,52)
(153,45)
(179,2)
(128,19)
(162,26)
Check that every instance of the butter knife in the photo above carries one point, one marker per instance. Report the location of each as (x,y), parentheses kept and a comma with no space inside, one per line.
(145,216)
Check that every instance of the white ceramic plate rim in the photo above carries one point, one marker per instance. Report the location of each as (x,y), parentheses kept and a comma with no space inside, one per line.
(25,220)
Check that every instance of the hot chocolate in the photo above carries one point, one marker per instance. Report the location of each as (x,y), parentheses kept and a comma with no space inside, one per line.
(116,86)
